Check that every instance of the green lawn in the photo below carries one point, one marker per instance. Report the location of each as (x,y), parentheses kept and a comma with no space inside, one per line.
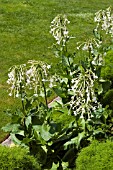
(24,34)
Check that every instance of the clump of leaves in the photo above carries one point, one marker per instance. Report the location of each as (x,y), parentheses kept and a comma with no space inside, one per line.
(17,158)
(98,155)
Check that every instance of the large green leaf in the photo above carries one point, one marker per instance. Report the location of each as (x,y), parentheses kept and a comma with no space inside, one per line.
(20,132)
(44,131)
(15,139)
(80,137)
(38,138)
(75,141)
(11,127)
(28,121)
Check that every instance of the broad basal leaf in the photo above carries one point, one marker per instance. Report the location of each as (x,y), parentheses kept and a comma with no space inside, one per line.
(46,135)
(11,127)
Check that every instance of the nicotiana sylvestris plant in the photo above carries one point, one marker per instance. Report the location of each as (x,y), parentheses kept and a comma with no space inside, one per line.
(78,84)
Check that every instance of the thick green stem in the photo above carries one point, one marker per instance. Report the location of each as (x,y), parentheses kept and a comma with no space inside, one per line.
(45,94)
(23,107)
(23,110)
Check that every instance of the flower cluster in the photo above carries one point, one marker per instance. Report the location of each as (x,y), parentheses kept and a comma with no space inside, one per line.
(59,29)
(36,74)
(28,77)
(92,47)
(16,79)
(84,100)
(104,20)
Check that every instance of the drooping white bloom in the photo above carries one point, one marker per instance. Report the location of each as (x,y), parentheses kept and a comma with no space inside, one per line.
(23,78)
(59,29)
(104,20)
(84,99)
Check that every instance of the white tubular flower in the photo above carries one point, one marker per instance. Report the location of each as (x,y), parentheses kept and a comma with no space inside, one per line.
(75,113)
(48,66)
(10,94)
(29,72)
